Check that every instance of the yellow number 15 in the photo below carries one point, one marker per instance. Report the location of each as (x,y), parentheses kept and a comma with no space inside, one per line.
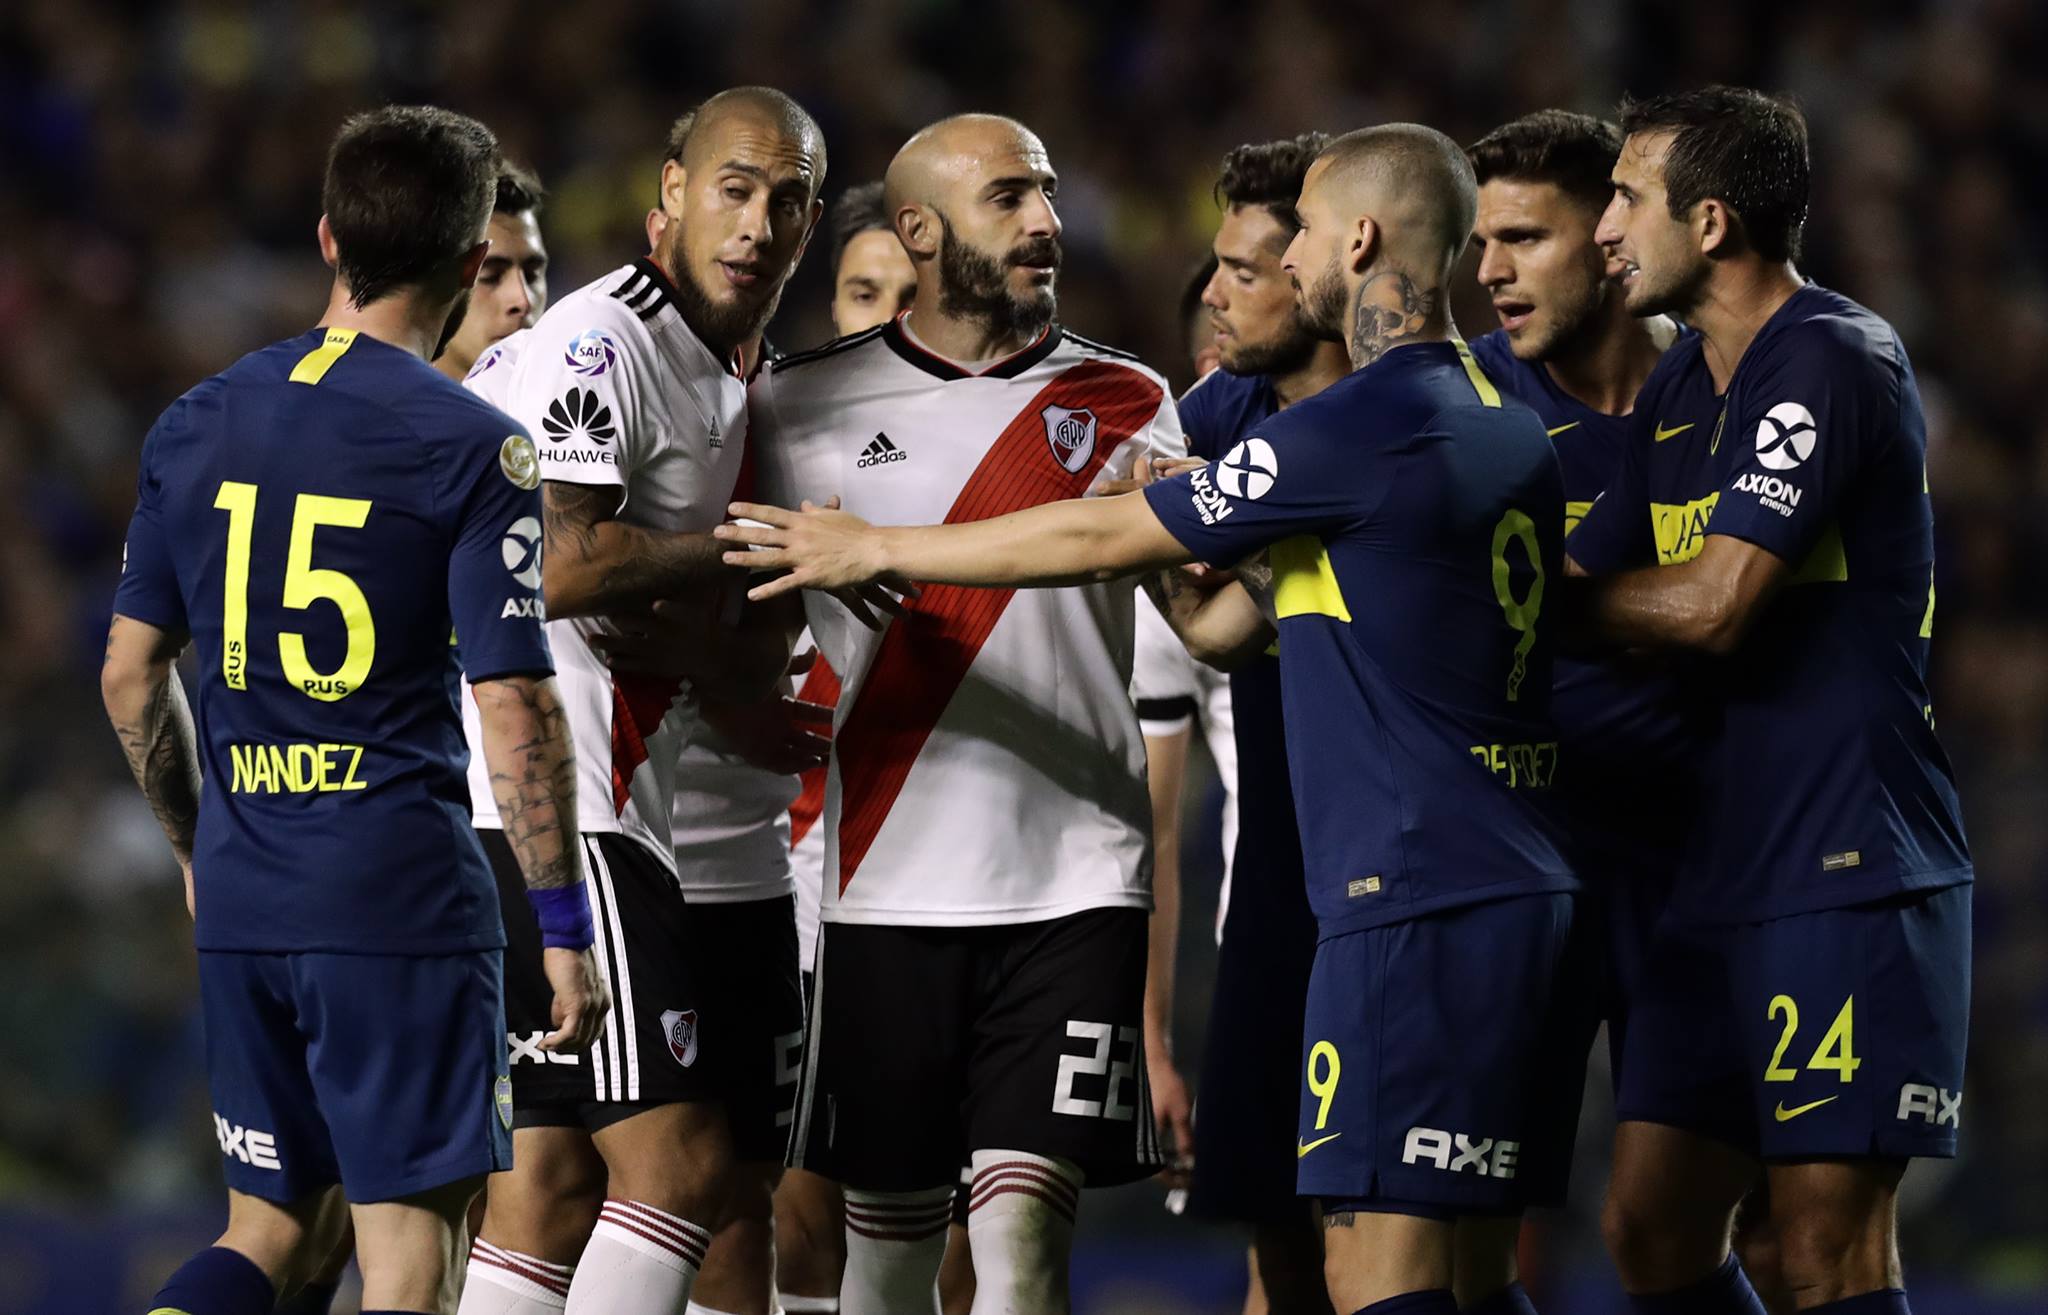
(303,586)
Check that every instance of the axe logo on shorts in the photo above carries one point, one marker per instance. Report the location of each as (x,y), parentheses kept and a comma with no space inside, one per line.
(680,1027)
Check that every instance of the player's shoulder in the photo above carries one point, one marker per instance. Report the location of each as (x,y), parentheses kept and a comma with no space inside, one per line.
(604,325)
(1072,344)
(846,351)
(1820,328)
(1496,355)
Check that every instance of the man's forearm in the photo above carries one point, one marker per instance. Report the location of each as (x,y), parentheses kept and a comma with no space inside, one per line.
(617,567)
(154,722)
(1220,628)
(533,776)
(1078,541)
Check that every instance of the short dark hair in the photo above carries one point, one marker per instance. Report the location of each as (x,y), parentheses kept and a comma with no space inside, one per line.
(1269,174)
(858,210)
(794,119)
(1739,146)
(1573,152)
(408,190)
(519,190)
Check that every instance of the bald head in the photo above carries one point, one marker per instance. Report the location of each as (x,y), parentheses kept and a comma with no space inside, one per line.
(1410,179)
(762,109)
(954,153)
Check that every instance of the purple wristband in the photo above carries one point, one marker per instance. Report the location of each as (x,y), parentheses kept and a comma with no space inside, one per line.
(564,915)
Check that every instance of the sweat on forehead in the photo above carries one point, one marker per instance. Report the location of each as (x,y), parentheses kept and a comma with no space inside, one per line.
(957,147)
(761,109)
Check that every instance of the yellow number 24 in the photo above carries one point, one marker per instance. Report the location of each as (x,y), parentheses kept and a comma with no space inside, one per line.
(303,586)
(1837,1050)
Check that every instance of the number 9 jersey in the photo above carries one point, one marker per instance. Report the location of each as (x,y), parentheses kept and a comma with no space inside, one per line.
(1414,521)
(326,518)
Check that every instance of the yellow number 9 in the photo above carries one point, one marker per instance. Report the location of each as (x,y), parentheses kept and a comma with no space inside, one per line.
(1324,1087)
(1520,616)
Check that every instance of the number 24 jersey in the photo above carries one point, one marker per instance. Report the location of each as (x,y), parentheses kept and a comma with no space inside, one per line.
(1413,519)
(322,517)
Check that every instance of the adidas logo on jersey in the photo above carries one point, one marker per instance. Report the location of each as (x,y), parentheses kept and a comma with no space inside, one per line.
(879,451)
(578,412)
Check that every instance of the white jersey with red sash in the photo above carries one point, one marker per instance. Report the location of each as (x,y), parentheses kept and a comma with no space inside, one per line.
(986,766)
(618,391)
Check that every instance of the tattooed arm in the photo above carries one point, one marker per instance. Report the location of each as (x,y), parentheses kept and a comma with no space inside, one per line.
(594,563)
(146,703)
(533,779)
(1221,628)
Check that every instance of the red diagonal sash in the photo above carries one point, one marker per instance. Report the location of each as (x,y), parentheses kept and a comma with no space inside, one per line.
(638,705)
(821,686)
(927,652)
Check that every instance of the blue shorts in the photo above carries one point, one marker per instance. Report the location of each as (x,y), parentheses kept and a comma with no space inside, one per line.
(1445,1059)
(384,1073)
(1837,1033)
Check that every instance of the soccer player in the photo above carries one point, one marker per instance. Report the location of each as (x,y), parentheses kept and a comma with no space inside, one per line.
(1250,1099)
(635,385)
(512,289)
(979,990)
(1808,996)
(1409,511)
(1569,348)
(319,517)
(872,278)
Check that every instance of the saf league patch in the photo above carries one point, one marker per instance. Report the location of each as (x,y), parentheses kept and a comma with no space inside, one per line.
(1070,433)
(680,1027)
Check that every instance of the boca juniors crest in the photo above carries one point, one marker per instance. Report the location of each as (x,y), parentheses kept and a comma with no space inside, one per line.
(680,1026)
(1071,435)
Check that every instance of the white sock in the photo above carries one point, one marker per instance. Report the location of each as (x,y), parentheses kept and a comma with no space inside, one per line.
(639,1261)
(505,1282)
(1020,1224)
(796,1305)
(894,1243)
(695,1308)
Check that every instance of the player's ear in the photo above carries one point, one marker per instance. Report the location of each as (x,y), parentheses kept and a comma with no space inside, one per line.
(1365,244)
(674,179)
(810,227)
(1711,221)
(330,250)
(473,263)
(917,228)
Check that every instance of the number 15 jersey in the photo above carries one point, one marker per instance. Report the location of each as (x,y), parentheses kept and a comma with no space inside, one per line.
(1414,520)
(321,517)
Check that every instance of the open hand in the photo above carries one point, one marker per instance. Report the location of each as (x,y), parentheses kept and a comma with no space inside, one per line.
(820,547)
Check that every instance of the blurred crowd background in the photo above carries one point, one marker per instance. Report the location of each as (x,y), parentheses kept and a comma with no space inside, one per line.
(160,165)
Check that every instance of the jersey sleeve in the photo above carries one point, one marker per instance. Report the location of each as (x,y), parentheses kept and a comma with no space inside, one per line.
(1290,479)
(1164,436)
(581,391)
(1808,423)
(1614,534)
(1162,675)
(149,582)
(494,566)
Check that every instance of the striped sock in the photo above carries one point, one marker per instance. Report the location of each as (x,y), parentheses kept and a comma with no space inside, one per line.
(639,1261)
(503,1282)
(1020,1227)
(894,1243)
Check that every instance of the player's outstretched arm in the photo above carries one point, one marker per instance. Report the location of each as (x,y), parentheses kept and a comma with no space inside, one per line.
(592,562)
(533,779)
(1707,603)
(146,703)
(1079,541)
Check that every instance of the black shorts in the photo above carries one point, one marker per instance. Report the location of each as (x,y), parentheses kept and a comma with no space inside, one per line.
(753,1016)
(930,1043)
(1248,1098)
(651,1050)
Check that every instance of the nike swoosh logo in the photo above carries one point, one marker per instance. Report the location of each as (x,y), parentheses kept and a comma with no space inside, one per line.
(1553,433)
(1663,433)
(1303,1148)
(1785,1116)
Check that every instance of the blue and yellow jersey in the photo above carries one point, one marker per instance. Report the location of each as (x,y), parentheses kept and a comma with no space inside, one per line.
(1414,519)
(1632,738)
(1827,786)
(323,518)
